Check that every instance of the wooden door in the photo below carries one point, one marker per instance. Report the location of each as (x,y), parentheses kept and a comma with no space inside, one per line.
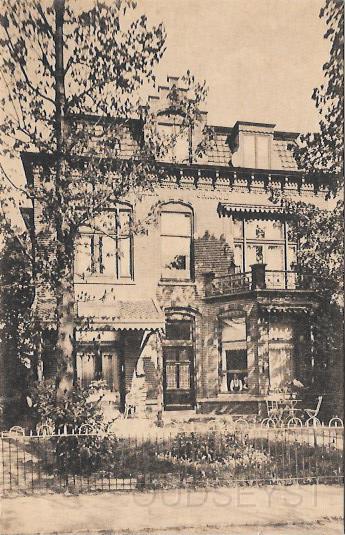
(179,392)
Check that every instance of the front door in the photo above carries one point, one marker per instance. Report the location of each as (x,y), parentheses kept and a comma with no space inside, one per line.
(178,377)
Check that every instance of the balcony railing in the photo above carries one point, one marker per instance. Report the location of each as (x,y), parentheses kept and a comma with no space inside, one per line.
(257,279)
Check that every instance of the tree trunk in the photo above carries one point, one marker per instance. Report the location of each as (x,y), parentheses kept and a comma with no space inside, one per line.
(65,329)
(64,290)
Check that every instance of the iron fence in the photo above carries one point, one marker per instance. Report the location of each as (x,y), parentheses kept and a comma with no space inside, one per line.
(85,462)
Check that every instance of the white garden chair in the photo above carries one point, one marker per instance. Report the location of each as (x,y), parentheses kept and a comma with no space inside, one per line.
(312,413)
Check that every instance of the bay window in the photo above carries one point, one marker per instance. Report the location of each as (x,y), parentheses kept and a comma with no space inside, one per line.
(265,241)
(261,241)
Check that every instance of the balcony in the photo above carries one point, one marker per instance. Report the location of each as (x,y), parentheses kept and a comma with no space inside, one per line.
(257,279)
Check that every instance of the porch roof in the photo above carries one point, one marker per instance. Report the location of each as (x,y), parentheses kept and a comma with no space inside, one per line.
(227,209)
(122,315)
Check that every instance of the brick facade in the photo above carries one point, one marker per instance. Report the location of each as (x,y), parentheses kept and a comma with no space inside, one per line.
(201,188)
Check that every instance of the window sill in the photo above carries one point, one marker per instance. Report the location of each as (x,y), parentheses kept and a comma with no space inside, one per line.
(105,280)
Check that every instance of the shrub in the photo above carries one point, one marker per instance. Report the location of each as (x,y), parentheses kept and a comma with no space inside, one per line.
(73,454)
(214,453)
(74,409)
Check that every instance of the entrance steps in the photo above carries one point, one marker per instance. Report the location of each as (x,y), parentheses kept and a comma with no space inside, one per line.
(180,416)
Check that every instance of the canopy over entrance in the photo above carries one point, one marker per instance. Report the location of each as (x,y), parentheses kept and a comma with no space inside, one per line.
(122,315)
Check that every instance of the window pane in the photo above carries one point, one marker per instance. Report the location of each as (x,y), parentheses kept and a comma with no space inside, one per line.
(184,378)
(176,224)
(262,152)
(276,231)
(234,330)
(104,222)
(255,255)
(176,257)
(292,256)
(87,372)
(280,364)
(248,150)
(236,360)
(238,256)
(237,373)
(275,257)
(181,146)
(108,256)
(82,265)
(123,222)
(170,372)
(257,229)
(178,330)
(166,134)
(124,257)
(238,228)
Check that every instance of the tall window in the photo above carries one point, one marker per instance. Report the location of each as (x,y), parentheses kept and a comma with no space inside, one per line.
(96,365)
(262,242)
(105,248)
(234,356)
(281,350)
(176,242)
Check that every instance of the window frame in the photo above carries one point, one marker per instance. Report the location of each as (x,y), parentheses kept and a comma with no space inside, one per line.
(97,356)
(96,249)
(180,345)
(256,136)
(231,345)
(185,210)
(244,242)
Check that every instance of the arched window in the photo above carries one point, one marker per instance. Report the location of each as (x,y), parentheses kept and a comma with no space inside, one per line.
(105,247)
(176,241)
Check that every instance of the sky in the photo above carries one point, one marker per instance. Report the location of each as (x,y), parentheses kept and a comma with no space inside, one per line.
(261,58)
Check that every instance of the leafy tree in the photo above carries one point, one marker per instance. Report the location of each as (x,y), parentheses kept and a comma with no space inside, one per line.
(320,232)
(71,80)
(321,153)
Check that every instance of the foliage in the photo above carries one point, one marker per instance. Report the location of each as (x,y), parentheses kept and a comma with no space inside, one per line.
(16,296)
(319,233)
(214,451)
(192,459)
(71,86)
(321,153)
(73,410)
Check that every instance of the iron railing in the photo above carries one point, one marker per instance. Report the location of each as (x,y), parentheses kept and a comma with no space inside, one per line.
(238,283)
(239,455)
(229,284)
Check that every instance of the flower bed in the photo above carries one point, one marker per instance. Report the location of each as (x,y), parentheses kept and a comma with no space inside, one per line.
(85,463)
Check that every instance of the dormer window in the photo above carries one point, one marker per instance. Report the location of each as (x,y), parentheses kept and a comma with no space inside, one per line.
(251,144)
(256,151)
(177,142)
